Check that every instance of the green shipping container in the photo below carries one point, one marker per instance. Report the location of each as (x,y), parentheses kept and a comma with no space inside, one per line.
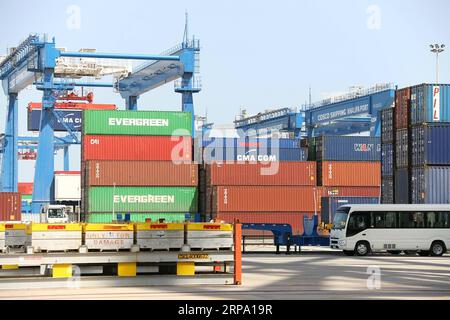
(136,217)
(142,199)
(137,123)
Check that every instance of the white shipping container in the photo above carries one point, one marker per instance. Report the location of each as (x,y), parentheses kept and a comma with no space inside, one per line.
(67,187)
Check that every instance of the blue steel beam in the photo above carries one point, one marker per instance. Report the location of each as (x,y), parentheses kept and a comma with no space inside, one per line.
(79,84)
(9,170)
(99,55)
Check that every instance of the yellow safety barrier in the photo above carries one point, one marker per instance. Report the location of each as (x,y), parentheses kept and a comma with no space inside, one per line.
(158,226)
(107,227)
(185,268)
(62,270)
(126,269)
(56,227)
(10,267)
(210,227)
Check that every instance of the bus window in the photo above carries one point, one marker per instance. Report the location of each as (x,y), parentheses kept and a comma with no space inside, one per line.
(442,220)
(359,221)
(407,220)
(391,220)
(431,219)
(340,218)
(420,218)
(379,220)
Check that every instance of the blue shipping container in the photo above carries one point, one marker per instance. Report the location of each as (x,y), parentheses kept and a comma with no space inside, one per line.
(430,103)
(387,160)
(72,118)
(430,144)
(348,148)
(331,204)
(430,185)
(251,142)
(220,155)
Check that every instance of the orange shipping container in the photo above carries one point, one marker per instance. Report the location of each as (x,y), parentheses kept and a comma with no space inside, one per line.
(265,199)
(346,173)
(257,174)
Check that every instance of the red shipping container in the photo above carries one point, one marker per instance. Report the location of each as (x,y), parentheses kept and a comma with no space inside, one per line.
(99,147)
(140,173)
(350,191)
(402,108)
(346,173)
(10,206)
(25,188)
(295,219)
(257,174)
(265,199)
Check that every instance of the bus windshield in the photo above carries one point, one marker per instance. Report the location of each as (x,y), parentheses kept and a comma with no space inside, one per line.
(340,219)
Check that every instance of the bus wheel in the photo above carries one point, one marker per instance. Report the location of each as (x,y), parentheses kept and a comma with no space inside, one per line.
(394,252)
(437,249)
(349,253)
(362,248)
(424,253)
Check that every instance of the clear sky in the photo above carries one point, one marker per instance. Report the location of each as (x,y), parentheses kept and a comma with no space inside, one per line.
(255,54)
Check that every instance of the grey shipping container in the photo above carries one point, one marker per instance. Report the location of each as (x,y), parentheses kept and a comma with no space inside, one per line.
(329,205)
(387,159)
(401,189)
(387,125)
(430,185)
(430,144)
(348,148)
(387,189)
(401,150)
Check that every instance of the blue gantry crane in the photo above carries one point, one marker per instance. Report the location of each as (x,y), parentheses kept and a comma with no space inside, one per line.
(355,112)
(34,62)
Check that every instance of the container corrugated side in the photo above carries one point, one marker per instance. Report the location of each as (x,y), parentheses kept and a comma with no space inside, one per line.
(348,148)
(350,191)
(135,217)
(329,205)
(402,107)
(25,188)
(251,143)
(346,173)
(387,159)
(387,125)
(274,174)
(402,149)
(430,185)
(295,219)
(401,186)
(142,199)
(265,199)
(387,189)
(10,206)
(430,103)
(141,173)
(241,154)
(137,123)
(97,147)
(430,144)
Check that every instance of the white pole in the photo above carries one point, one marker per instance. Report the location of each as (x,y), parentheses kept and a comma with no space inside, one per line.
(437,67)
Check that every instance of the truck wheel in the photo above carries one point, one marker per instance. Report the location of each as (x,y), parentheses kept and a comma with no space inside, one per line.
(437,249)
(362,248)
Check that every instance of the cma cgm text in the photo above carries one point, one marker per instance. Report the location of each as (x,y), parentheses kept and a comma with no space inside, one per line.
(138,122)
(145,199)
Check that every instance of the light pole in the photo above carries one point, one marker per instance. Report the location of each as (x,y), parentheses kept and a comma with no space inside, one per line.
(436,48)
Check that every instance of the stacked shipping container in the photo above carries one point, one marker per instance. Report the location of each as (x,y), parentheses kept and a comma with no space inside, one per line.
(258,181)
(421,146)
(138,164)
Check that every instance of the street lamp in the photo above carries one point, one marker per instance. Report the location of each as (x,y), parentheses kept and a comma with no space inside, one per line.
(436,48)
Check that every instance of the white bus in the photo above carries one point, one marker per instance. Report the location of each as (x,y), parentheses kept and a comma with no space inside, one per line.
(362,229)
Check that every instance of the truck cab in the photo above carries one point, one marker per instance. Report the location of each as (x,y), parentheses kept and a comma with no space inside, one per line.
(54,214)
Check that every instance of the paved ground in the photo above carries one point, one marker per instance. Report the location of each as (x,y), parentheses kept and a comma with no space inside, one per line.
(312,275)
